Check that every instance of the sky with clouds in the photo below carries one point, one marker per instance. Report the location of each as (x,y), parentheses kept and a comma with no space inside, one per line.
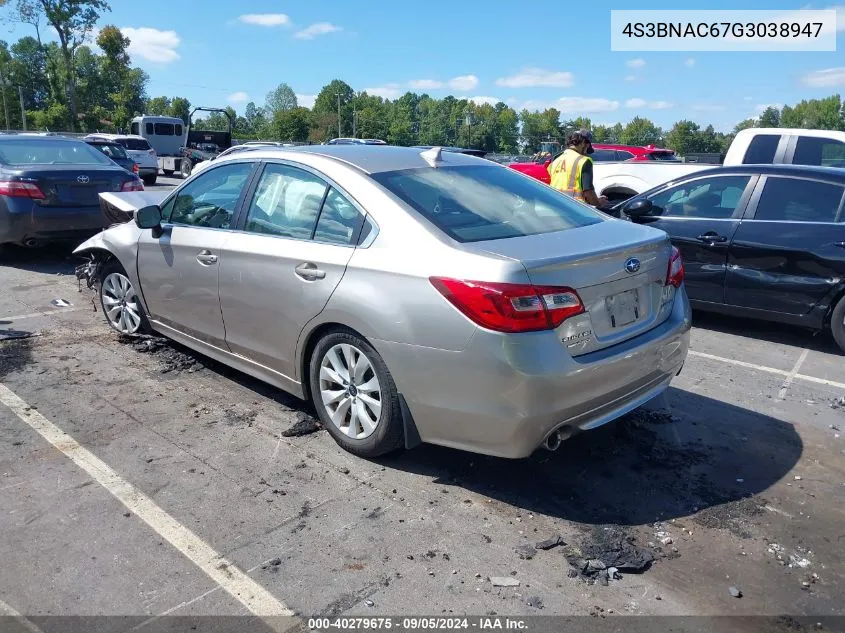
(236,52)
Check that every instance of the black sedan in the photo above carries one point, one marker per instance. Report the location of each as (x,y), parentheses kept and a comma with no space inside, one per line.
(50,186)
(764,241)
(117,153)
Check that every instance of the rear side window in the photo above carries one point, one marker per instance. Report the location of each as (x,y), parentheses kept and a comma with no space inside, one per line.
(133,129)
(164,129)
(623,155)
(476,203)
(137,144)
(27,152)
(112,150)
(339,220)
(761,150)
(150,128)
(827,152)
(286,203)
(178,130)
(798,200)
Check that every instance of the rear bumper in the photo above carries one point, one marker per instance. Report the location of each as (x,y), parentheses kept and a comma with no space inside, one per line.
(49,224)
(504,394)
(147,171)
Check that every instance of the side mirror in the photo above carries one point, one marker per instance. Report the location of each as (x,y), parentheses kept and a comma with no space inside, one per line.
(638,208)
(148,217)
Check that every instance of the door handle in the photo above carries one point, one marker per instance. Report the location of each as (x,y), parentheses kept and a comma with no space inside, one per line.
(206,258)
(309,271)
(712,236)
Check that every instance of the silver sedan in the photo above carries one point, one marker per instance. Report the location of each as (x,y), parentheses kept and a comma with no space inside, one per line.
(412,295)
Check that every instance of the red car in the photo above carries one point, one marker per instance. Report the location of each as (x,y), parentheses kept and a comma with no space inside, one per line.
(603,153)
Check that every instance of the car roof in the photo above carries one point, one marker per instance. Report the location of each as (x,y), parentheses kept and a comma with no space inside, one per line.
(103,135)
(637,149)
(371,159)
(827,173)
(37,138)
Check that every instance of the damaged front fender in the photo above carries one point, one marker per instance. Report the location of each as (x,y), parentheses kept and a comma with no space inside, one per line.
(120,242)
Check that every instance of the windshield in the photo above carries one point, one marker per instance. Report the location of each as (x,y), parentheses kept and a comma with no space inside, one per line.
(112,150)
(477,203)
(50,152)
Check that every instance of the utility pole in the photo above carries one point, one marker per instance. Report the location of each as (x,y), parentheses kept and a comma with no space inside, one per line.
(23,109)
(354,123)
(338,114)
(5,104)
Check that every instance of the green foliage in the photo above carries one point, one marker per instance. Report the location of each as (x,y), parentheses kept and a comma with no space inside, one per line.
(744,125)
(73,21)
(326,109)
(825,114)
(281,99)
(292,125)
(180,107)
(770,117)
(640,131)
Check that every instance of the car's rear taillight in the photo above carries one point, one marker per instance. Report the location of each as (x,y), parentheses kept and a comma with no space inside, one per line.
(132,185)
(134,168)
(510,308)
(675,273)
(16,189)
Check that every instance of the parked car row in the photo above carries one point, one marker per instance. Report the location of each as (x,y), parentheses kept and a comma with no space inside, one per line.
(428,295)
(623,178)
(137,148)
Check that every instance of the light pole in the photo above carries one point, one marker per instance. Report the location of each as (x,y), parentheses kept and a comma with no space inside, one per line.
(338,114)
(23,109)
(469,129)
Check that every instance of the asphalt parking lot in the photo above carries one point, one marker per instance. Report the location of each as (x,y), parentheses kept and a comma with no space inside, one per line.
(155,482)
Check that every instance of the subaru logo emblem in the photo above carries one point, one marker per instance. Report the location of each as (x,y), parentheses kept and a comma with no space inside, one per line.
(632,265)
(83,179)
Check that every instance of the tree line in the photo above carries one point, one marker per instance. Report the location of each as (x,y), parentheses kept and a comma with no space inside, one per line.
(73,85)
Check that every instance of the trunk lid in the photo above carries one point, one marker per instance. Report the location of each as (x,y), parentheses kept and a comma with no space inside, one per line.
(75,186)
(618,269)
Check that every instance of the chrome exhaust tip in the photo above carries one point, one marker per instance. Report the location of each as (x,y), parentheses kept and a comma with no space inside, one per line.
(553,441)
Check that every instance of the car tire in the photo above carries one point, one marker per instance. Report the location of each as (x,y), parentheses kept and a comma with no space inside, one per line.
(185,168)
(150,180)
(837,323)
(120,301)
(363,415)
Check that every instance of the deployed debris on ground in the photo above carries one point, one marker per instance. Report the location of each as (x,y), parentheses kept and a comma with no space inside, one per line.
(173,359)
(13,335)
(606,552)
(304,425)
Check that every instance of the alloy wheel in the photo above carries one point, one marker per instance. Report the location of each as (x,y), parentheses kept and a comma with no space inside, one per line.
(120,303)
(350,391)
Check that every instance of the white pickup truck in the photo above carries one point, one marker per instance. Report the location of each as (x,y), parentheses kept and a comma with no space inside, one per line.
(619,181)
